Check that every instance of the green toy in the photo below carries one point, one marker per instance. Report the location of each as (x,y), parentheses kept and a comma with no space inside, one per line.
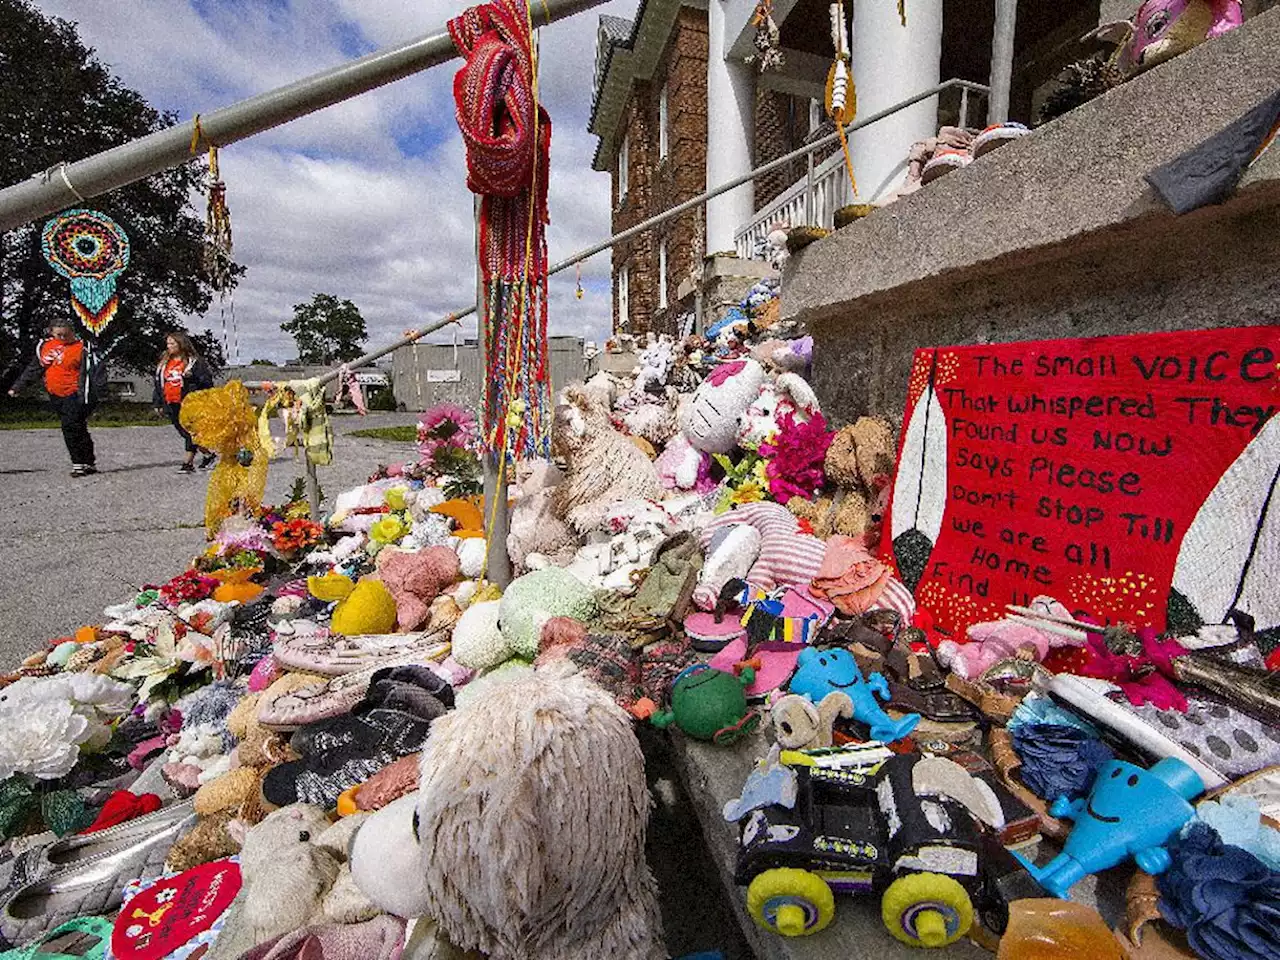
(709,704)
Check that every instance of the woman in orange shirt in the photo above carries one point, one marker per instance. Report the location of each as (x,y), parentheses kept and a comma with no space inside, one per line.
(60,357)
(179,371)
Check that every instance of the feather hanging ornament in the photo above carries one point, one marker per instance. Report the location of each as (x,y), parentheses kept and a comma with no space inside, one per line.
(217,230)
(920,490)
(91,250)
(1228,557)
(841,94)
(768,39)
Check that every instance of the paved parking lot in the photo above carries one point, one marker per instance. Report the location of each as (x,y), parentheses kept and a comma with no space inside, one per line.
(72,547)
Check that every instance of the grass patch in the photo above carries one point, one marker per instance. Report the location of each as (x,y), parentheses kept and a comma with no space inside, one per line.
(407,433)
(33,415)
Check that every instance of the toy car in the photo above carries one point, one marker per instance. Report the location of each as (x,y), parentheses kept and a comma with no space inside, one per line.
(856,831)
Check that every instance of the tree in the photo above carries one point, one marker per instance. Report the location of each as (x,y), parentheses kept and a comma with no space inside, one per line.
(262,363)
(210,347)
(327,330)
(58,102)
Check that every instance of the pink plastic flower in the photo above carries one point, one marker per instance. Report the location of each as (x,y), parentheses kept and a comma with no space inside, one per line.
(796,456)
(445,425)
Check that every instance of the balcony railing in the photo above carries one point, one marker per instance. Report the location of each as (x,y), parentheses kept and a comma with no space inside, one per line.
(814,199)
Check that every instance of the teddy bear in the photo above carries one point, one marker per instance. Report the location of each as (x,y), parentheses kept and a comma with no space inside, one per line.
(293,873)
(526,835)
(859,465)
(257,750)
(415,580)
(534,526)
(602,465)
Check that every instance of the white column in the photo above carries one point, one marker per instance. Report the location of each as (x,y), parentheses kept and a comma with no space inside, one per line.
(891,63)
(730,134)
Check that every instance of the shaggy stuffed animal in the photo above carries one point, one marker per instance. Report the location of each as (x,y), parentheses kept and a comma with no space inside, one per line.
(293,873)
(859,468)
(603,466)
(526,836)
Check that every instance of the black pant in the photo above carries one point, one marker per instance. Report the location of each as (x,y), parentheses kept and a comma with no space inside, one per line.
(174,409)
(73,413)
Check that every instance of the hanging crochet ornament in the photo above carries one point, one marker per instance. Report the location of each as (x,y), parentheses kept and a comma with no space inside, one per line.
(217,231)
(91,250)
(224,421)
(508,140)
(768,40)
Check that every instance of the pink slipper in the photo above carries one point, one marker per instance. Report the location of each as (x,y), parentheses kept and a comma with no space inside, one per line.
(776,663)
(708,635)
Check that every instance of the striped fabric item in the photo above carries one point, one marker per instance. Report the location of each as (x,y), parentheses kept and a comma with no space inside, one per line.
(896,597)
(787,557)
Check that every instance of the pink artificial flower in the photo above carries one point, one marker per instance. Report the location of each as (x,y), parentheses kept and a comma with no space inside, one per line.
(795,457)
(446,425)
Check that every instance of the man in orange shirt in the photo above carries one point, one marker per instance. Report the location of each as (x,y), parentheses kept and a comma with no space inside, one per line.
(61,358)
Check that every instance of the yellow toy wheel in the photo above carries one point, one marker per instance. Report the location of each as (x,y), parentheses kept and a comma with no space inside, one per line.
(794,903)
(926,910)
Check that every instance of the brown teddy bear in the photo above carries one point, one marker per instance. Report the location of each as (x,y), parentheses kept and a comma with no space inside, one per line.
(859,468)
(229,803)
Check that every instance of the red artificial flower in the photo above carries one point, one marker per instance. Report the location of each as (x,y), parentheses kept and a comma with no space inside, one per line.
(187,587)
(291,535)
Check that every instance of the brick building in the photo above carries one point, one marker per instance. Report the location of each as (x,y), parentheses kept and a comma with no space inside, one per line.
(679,105)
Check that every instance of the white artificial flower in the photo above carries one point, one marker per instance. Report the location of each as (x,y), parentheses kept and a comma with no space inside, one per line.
(41,739)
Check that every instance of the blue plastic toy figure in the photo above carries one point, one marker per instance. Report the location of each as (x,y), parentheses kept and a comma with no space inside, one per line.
(819,672)
(1130,812)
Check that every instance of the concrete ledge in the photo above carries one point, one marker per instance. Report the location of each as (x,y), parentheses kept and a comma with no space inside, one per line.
(1077,179)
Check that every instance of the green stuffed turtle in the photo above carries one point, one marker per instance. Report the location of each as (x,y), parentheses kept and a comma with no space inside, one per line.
(709,704)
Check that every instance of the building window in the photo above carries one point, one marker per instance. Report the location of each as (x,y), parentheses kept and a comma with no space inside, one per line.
(624,298)
(662,123)
(662,275)
(624,163)
(122,388)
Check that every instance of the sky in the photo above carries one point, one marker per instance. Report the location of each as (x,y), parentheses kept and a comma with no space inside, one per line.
(365,200)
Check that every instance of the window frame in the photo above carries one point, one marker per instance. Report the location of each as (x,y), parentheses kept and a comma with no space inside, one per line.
(624,297)
(624,168)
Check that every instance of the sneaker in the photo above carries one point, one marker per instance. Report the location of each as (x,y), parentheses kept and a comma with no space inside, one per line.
(83,470)
(207,460)
(187,468)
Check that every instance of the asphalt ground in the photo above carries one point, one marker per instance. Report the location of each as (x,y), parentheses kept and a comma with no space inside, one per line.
(74,546)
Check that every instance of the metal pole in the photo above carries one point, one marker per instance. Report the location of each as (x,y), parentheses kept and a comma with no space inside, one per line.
(1002,60)
(498,569)
(808,190)
(964,109)
(68,184)
(313,488)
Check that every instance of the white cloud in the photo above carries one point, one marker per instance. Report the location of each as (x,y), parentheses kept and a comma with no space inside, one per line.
(331,202)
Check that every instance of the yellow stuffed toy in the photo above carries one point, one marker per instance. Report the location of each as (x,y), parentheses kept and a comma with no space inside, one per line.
(369,608)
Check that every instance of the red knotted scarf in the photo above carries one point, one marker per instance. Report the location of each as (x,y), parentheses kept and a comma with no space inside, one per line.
(508,164)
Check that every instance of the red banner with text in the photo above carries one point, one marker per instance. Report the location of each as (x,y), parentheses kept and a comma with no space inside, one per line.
(1130,477)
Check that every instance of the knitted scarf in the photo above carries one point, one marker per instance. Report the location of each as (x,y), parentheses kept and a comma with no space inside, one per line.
(508,166)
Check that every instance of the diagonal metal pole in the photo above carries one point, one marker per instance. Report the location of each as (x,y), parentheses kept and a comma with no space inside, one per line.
(68,184)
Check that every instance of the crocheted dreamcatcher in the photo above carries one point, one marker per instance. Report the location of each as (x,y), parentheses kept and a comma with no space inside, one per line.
(224,421)
(91,250)
(508,140)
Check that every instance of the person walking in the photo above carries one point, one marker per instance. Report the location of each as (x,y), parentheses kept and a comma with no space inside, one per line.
(179,371)
(61,357)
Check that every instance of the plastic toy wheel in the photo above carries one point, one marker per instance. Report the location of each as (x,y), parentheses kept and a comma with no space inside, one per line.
(926,910)
(794,903)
